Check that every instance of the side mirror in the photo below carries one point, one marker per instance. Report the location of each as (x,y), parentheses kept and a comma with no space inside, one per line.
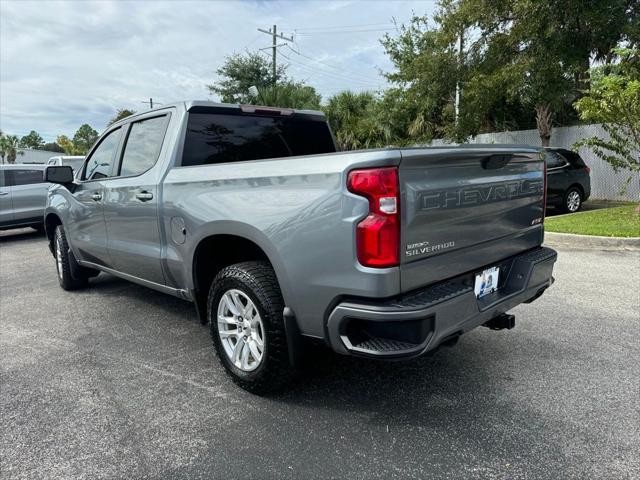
(58,174)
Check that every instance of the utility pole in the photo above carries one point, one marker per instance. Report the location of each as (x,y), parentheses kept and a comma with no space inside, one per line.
(274,46)
(150,102)
(460,63)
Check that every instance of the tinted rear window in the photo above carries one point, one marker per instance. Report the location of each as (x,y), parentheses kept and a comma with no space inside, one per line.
(25,177)
(218,138)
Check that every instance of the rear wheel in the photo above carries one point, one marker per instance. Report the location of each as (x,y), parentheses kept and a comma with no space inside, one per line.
(245,310)
(572,200)
(71,276)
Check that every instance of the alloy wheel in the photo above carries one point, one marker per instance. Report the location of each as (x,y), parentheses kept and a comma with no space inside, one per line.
(241,330)
(59,257)
(573,201)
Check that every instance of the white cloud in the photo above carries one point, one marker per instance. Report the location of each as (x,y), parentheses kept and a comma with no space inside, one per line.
(67,63)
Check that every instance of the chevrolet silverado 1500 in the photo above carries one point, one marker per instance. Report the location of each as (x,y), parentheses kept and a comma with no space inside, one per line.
(251,214)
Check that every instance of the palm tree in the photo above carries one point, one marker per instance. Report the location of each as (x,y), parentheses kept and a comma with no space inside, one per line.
(9,148)
(3,146)
(355,120)
(287,95)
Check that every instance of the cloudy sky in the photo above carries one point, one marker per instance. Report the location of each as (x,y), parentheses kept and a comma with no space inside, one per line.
(67,63)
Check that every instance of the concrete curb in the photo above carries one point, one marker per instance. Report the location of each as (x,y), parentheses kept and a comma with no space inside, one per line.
(553,239)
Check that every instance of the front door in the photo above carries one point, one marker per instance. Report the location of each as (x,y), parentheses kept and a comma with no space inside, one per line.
(86,225)
(28,195)
(131,202)
(6,208)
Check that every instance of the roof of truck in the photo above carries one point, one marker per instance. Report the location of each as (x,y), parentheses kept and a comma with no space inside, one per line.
(493,146)
(19,166)
(191,104)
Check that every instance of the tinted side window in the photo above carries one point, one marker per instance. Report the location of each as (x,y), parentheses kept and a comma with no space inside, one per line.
(554,160)
(574,158)
(101,161)
(143,145)
(25,177)
(219,138)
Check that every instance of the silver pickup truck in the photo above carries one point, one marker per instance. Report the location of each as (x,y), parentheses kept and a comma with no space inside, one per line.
(251,214)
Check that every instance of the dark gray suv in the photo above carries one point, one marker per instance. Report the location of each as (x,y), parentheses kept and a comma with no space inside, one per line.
(568,180)
(23,195)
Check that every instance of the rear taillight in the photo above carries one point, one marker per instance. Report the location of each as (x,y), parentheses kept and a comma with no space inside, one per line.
(378,235)
(587,168)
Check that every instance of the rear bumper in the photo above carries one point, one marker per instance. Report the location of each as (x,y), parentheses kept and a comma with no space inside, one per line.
(422,320)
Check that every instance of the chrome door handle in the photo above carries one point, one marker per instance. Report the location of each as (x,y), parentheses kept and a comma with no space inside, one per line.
(97,197)
(2,194)
(144,196)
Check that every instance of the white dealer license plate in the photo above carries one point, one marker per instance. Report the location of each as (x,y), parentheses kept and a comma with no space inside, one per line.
(487,282)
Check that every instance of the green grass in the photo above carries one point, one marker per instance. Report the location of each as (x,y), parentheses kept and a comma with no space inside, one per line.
(606,222)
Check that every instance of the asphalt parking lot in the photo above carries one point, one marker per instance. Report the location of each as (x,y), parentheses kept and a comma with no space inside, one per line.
(118,381)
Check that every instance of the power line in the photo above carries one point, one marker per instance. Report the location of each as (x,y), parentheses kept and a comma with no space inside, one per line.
(334,32)
(341,70)
(324,72)
(328,74)
(338,27)
(251,42)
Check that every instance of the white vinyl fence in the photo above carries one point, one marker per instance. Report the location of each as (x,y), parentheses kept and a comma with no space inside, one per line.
(605,183)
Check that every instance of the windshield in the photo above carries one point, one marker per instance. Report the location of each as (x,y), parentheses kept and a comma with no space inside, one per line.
(74,163)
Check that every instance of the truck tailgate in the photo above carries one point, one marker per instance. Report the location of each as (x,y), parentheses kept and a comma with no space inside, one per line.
(465,208)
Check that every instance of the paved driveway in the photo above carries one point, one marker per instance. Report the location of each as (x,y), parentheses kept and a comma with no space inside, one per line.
(118,381)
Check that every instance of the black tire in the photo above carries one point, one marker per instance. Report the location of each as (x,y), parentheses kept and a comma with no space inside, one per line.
(71,276)
(572,200)
(258,282)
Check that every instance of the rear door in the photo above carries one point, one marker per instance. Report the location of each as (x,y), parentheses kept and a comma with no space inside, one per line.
(86,226)
(131,201)
(6,208)
(28,194)
(464,208)
(557,176)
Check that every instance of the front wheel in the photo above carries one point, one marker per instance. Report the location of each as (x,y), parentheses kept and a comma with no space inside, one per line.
(245,311)
(572,200)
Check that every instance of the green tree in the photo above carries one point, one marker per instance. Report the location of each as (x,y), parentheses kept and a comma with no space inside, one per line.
(288,94)
(66,144)
(53,147)
(517,53)
(84,139)
(32,140)
(614,100)
(424,78)
(241,71)
(9,148)
(120,114)
(356,120)
(3,146)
